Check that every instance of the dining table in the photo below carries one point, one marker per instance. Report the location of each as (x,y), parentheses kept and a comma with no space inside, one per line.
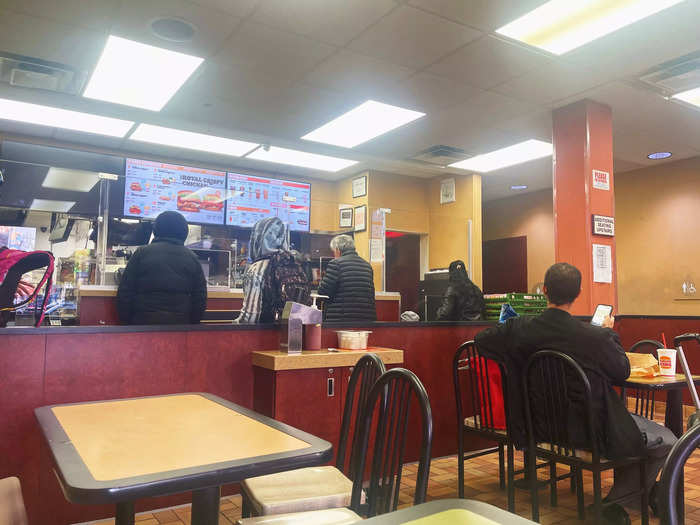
(122,450)
(449,512)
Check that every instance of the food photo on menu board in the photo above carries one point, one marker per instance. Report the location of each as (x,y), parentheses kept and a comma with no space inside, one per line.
(251,198)
(155,187)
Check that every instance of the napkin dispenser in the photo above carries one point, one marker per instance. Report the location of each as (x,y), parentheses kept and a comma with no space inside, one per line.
(295,316)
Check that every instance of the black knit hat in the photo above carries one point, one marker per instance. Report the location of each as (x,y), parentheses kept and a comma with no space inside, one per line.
(171,224)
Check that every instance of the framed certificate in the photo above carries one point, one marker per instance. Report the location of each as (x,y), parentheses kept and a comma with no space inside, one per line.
(447,191)
(360,218)
(346,217)
(359,187)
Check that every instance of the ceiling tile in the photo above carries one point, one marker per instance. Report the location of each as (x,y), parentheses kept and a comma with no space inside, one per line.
(412,38)
(240,8)
(537,174)
(428,93)
(487,109)
(488,62)
(271,50)
(537,125)
(635,146)
(357,74)
(213,26)
(552,82)
(620,166)
(49,40)
(486,15)
(333,21)
(95,14)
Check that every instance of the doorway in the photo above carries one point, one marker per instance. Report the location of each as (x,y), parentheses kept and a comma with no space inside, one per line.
(403,267)
(505,265)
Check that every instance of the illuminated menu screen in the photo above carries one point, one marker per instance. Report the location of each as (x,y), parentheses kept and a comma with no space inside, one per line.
(155,187)
(253,198)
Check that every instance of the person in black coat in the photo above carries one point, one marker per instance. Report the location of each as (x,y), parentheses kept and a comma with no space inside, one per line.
(163,282)
(599,352)
(349,282)
(463,300)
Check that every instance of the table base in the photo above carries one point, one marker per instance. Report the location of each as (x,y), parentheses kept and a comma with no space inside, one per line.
(205,506)
(125,513)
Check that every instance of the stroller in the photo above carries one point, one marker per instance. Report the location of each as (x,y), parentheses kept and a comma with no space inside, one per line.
(13,265)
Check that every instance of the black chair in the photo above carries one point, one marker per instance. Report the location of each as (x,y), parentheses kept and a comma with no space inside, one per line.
(386,421)
(644,399)
(672,475)
(555,386)
(337,481)
(470,366)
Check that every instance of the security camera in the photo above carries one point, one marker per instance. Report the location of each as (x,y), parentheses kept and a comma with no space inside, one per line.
(266,147)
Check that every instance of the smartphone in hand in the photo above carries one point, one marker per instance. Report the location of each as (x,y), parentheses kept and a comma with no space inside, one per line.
(601,312)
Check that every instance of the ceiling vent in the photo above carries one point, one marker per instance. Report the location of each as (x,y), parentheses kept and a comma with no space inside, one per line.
(439,155)
(34,73)
(674,76)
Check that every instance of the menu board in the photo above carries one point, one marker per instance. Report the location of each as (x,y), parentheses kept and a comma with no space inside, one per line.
(18,237)
(155,187)
(251,198)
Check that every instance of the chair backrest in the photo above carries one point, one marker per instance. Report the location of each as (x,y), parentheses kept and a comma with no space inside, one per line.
(646,346)
(672,473)
(390,400)
(365,373)
(557,392)
(12,511)
(486,405)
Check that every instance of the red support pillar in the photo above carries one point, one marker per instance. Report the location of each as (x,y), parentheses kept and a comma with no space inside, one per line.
(583,187)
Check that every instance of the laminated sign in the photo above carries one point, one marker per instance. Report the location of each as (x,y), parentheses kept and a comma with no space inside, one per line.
(603,225)
(601,180)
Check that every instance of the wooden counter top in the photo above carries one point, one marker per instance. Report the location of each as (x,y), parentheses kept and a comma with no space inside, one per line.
(281,360)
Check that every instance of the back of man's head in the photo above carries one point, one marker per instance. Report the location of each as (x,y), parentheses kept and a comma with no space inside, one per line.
(562,283)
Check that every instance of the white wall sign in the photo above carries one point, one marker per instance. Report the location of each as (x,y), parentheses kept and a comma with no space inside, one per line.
(603,225)
(601,180)
(447,191)
(602,263)
(359,186)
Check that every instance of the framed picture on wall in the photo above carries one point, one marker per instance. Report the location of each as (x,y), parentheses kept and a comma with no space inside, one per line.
(346,217)
(447,191)
(359,187)
(360,218)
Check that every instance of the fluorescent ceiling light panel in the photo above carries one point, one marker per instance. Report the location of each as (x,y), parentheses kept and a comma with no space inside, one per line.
(558,26)
(49,205)
(366,121)
(139,75)
(692,96)
(71,180)
(510,156)
(300,158)
(63,118)
(189,140)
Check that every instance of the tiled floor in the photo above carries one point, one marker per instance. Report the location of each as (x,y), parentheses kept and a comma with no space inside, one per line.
(481,483)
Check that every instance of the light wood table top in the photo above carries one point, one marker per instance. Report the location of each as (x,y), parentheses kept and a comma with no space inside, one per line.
(449,511)
(124,439)
(125,449)
(281,360)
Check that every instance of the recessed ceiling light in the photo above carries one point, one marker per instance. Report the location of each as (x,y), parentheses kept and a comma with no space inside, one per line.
(49,205)
(559,26)
(366,121)
(659,155)
(300,158)
(173,29)
(518,187)
(139,75)
(189,140)
(72,180)
(63,118)
(510,156)
(692,96)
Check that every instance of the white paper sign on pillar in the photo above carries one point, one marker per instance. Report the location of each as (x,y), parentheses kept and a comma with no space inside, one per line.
(602,263)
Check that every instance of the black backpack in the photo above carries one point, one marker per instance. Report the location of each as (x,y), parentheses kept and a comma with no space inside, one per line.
(285,280)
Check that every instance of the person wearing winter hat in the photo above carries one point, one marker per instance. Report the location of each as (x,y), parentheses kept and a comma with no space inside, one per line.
(163,282)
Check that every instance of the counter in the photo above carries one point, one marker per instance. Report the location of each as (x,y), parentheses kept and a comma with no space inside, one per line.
(98,304)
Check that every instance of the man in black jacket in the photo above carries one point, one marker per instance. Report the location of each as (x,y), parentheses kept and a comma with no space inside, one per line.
(349,282)
(599,352)
(163,282)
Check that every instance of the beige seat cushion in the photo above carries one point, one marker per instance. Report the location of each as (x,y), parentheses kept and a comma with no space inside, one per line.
(316,517)
(298,490)
(471,422)
(12,510)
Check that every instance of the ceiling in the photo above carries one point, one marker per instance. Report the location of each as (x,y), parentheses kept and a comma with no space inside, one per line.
(277,69)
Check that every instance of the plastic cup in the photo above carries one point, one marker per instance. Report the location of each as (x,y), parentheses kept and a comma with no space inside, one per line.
(667,361)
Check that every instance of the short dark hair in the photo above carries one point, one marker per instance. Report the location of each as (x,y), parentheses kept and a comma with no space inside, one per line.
(563,283)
